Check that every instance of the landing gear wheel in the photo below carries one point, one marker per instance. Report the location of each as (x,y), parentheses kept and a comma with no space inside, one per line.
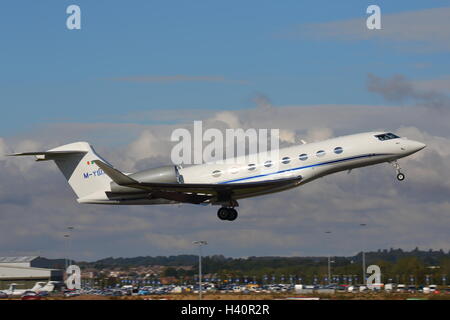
(232,214)
(222,213)
(400,175)
(225,213)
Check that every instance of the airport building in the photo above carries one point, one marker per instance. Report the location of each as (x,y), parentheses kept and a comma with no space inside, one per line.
(26,271)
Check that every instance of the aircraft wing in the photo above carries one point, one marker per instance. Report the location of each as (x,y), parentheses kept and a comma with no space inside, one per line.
(196,192)
(213,187)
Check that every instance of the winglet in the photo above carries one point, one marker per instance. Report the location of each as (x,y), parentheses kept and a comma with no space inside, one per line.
(116,176)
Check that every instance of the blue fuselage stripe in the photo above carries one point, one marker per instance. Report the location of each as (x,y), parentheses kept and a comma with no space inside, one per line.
(309,166)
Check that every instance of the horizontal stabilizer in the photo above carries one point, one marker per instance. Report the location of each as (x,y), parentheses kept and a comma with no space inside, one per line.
(48,155)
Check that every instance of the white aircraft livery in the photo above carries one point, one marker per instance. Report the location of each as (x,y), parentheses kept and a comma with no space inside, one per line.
(94,180)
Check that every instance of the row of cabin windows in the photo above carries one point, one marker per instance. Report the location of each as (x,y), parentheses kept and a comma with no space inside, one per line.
(285,160)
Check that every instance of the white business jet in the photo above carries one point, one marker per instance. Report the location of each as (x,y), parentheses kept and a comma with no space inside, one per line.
(38,287)
(94,180)
(13,291)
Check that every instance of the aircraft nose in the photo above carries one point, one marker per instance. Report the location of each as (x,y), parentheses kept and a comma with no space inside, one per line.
(416,146)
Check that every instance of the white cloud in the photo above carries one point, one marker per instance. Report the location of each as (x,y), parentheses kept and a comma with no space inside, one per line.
(288,136)
(4,150)
(318,134)
(229,118)
(424,30)
(146,146)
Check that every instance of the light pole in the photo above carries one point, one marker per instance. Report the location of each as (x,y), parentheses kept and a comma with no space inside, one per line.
(200,244)
(66,236)
(364,259)
(329,263)
(70,229)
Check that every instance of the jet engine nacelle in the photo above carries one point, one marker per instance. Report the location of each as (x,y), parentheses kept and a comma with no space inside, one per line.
(165,174)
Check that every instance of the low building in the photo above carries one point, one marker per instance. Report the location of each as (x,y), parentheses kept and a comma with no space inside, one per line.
(26,271)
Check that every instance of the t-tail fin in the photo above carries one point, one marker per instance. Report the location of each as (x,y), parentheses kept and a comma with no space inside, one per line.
(77,163)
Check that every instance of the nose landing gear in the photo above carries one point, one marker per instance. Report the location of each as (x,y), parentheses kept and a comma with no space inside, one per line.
(227,213)
(400,175)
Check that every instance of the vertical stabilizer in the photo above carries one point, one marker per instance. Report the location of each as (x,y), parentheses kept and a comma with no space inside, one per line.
(76,162)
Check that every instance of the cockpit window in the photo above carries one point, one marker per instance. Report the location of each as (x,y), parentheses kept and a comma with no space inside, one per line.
(386,136)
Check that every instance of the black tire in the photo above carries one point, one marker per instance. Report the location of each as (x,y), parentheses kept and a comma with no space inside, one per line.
(232,214)
(223,214)
(400,177)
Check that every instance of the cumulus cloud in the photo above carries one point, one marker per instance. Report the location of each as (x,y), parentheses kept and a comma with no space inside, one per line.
(3,149)
(318,134)
(288,136)
(229,118)
(147,145)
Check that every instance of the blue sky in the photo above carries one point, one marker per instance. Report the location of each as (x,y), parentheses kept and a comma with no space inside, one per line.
(50,74)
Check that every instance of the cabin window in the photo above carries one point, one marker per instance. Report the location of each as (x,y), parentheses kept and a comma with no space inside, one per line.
(338,150)
(285,160)
(216,173)
(303,157)
(251,167)
(320,153)
(268,163)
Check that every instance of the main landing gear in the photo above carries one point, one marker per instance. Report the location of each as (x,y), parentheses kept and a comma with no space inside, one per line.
(400,175)
(227,213)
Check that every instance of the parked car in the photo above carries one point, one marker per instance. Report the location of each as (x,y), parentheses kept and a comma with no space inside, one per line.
(30,295)
(143,292)
(363,289)
(390,287)
(401,288)
(43,293)
(433,288)
(412,289)
(71,293)
(107,293)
